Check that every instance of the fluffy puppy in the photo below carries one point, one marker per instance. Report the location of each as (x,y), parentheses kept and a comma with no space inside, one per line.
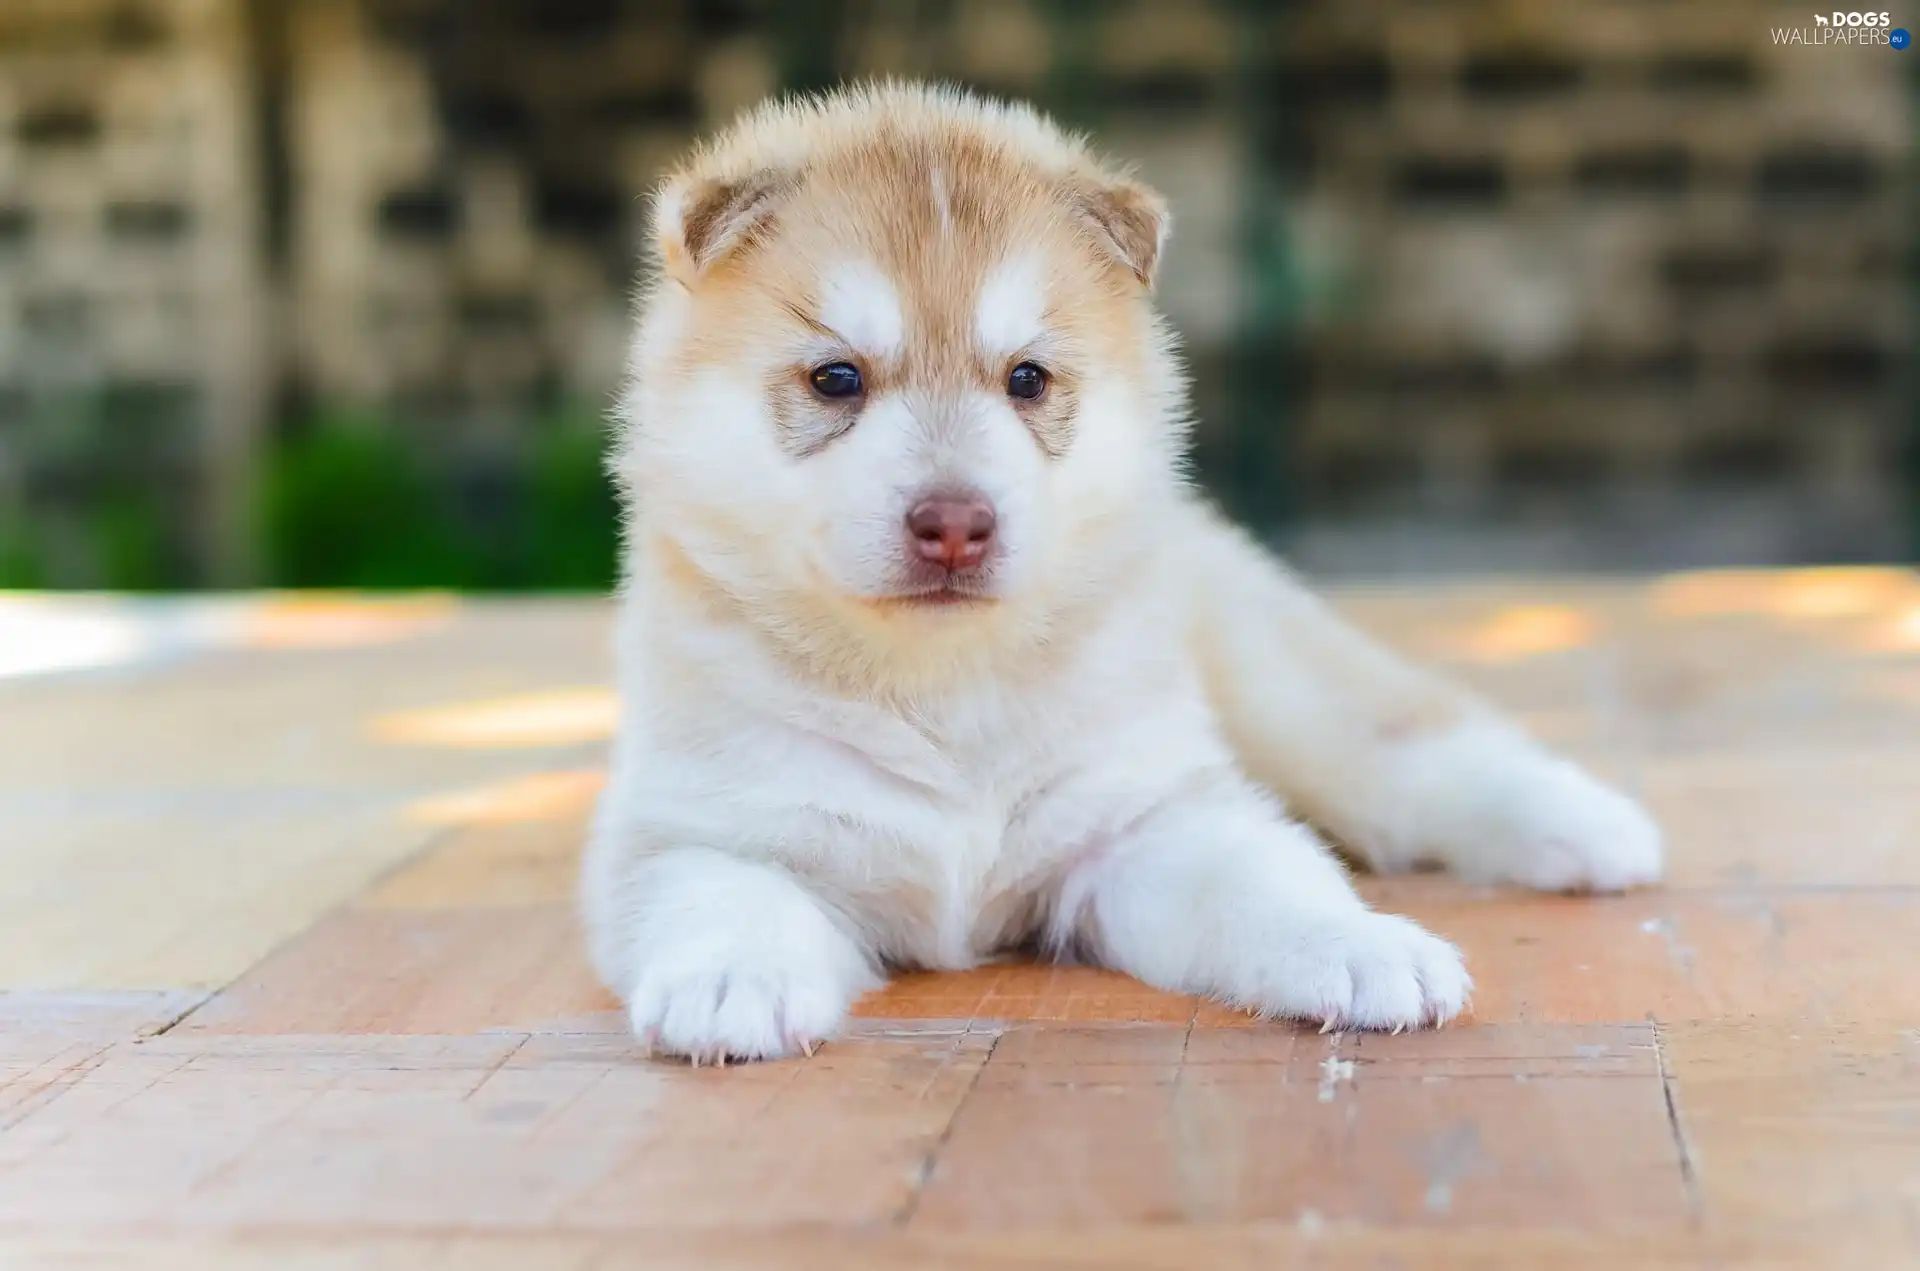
(929,650)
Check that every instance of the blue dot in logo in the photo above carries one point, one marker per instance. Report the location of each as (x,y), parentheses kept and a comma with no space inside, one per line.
(1899,38)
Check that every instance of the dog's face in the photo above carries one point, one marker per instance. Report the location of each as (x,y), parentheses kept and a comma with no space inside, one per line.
(918,371)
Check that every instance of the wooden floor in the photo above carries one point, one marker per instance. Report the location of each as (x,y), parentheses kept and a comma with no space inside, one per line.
(289,978)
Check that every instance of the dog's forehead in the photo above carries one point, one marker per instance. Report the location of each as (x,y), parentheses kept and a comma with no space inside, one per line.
(933,246)
(1002,308)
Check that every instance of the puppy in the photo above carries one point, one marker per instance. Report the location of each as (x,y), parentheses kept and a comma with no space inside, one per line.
(929,650)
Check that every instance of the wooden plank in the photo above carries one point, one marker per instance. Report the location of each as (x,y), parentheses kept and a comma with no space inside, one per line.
(1675,955)
(503,863)
(49,1041)
(1802,820)
(1491,1127)
(503,1131)
(401,971)
(1247,1248)
(168,825)
(1025,991)
(1802,1123)
(123,900)
(1669,955)
(104,1017)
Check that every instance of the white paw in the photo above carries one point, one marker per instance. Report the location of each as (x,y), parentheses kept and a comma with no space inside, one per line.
(745,996)
(1560,830)
(1360,970)
(1494,807)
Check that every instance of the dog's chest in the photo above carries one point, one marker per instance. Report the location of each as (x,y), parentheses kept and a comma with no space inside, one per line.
(959,835)
(935,866)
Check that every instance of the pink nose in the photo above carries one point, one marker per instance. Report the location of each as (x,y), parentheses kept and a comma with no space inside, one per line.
(955,531)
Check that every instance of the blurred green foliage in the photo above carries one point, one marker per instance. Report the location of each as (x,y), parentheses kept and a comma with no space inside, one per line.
(572,516)
(21,560)
(121,539)
(132,547)
(103,491)
(344,502)
(340,499)
(350,500)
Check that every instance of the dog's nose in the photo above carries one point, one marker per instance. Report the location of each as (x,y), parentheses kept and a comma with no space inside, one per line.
(954,530)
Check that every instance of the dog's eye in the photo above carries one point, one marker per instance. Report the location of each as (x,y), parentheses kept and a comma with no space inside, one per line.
(836,379)
(1026,382)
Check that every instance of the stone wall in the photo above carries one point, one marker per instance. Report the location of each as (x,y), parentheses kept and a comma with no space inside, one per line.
(134,330)
(1588,282)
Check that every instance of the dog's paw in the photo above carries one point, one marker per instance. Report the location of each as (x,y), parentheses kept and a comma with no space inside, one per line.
(1495,808)
(1362,970)
(747,997)
(1558,829)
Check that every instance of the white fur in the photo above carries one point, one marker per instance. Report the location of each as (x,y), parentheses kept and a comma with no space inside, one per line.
(941,203)
(1402,768)
(670,211)
(1012,304)
(1107,756)
(709,985)
(861,306)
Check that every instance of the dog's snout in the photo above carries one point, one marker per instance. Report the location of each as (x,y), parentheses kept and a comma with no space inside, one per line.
(952,530)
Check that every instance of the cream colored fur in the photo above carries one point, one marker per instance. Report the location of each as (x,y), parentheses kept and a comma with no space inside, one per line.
(821,775)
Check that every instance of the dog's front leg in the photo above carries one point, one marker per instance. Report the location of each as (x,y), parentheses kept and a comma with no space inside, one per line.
(1216,892)
(718,957)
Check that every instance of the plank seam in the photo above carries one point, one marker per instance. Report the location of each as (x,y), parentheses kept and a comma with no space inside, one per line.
(1689,1177)
(925,1173)
(431,843)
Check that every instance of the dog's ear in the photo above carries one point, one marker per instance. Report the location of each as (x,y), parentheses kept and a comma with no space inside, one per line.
(1128,219)
(700,220)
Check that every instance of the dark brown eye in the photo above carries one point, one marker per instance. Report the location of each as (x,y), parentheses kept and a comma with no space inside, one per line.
(836,379)
(1026,382)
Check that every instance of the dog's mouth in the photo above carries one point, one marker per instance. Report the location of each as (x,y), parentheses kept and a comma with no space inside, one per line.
(947,595)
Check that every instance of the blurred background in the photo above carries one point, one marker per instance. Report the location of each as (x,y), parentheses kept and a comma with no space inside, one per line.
(334,292)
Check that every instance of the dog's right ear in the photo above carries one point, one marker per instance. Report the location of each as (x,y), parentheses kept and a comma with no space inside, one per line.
(700,220)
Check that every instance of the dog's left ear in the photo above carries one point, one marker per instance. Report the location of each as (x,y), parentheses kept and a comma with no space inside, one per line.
(1127,218)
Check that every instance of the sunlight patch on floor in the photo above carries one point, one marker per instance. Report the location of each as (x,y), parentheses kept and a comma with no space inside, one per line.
(543,796)
(562,717)
(39,635)
(1525,631)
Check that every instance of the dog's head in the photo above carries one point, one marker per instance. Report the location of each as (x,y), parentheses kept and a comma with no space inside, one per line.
(900,357)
